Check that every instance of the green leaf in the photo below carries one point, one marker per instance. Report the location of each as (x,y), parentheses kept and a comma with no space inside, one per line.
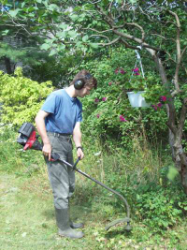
(72,33)
(132,1)
(5,32)
(63,26)
(13,13)
(53,7)
(52,52)
(45,46)
(172,173)
(85,38)
(74,17)
(61,47)
(22,5)
(62,34)
(94,45)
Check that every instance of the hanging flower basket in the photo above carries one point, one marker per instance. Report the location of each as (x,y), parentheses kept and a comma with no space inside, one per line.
(137,100)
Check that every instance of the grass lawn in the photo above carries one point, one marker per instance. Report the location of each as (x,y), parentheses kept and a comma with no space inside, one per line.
(27,221)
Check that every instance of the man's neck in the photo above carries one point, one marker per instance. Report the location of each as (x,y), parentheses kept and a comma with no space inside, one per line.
(71,91)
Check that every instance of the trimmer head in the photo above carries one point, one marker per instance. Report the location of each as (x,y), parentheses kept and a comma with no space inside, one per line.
(119,221)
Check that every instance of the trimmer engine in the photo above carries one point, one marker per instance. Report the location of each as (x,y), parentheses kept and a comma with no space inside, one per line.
(28,137)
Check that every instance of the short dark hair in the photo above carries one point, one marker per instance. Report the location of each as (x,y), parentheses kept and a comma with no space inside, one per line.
(90,81)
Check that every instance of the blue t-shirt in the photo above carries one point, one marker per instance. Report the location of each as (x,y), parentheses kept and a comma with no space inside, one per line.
(64,111)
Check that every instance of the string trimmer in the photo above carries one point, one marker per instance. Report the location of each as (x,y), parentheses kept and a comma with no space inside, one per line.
(29,140)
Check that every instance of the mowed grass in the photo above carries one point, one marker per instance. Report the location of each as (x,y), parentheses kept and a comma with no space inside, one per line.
(27,221)
(27,218)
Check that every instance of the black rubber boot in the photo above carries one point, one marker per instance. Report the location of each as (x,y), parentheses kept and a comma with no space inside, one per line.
(76,225)
(63,223)
(73,224)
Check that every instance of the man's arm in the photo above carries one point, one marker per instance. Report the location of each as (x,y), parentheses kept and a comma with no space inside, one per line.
(77,135)
(40,125)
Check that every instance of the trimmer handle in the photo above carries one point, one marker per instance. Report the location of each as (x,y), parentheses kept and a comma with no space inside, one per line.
(55,157)
(75,164)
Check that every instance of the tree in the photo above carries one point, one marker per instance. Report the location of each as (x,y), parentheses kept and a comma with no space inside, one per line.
(158,27)
(159,30)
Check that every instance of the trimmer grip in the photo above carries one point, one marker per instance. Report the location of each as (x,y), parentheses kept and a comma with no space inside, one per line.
(55,157)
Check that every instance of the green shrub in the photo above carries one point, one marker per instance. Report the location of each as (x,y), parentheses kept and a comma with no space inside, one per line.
(160,208)
(21,97)
(107,111)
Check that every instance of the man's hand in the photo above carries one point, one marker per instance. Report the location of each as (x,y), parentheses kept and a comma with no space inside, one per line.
(47,150)
(80,153)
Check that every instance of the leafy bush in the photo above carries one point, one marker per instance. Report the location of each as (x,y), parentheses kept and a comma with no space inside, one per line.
(160,208)
(107,111)
(21,97)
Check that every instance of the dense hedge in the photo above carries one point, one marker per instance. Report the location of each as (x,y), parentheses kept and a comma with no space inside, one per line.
(21,97)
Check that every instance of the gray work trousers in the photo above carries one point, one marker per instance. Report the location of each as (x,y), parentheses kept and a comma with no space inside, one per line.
(61,177)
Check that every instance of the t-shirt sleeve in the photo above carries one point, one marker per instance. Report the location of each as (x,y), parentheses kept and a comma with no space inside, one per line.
(49,105)
(79,117)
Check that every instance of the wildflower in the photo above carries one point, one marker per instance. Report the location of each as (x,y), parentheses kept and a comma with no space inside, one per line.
(122,71)
(116,71)
(155,107)
(110,83)
(122,119)
(136,74)
(98,115)
(96,100)
(135,70)
(159,105)
(163,98)
(104,99)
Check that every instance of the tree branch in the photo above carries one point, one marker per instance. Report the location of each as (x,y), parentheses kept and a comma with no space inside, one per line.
(127,45)
(182,120)
(171,118)
(178,46)
(106,37)
(140,28)
(110,22)
(110,43)
(99,32)
(163,37)
(135,39)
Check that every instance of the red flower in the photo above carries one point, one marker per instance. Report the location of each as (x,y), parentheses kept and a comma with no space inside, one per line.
(122,119)
(98,115)
(116,71)
(110,83)
(163,98)
(122,71)
(155,107)
(104,99)
(135,70)
(96,100)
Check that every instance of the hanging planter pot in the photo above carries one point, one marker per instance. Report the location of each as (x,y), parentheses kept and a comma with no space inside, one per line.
(137,100)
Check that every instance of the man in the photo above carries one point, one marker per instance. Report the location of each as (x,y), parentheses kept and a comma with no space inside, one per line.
(58,119)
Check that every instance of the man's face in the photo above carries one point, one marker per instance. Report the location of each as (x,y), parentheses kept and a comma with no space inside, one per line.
(84,91)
